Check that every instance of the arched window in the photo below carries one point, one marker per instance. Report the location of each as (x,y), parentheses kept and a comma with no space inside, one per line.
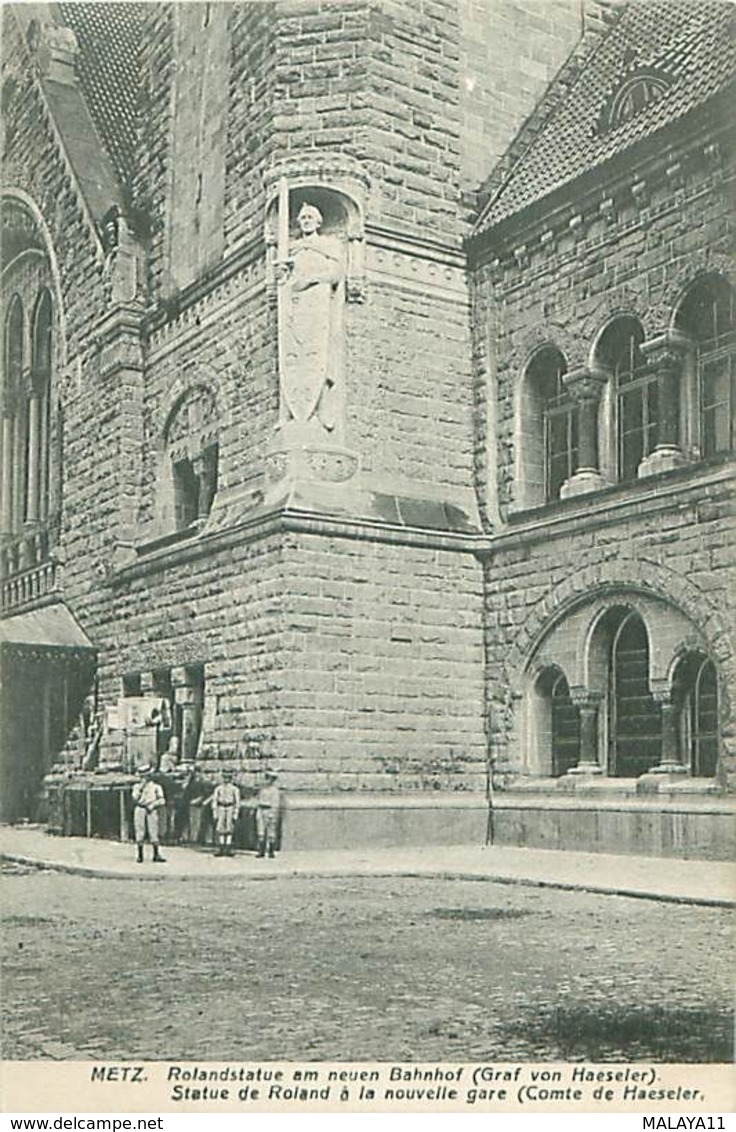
(635,719)
(14,344)
(12,488)
(632,96)
(192,455)
(695,695)
(637,409)
(548,429)
(565,728)
(37,491)
(43,336)
(552,732)
(707,317)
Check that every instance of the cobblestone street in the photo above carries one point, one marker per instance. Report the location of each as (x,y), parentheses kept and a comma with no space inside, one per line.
(357,969)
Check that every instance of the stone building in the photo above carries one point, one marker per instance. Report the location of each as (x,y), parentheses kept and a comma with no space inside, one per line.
(367,405)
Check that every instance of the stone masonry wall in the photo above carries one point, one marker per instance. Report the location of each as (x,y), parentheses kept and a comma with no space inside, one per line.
(409,390)
(509,52)
(681,551)
(637,258)
(362,671)
(384,678)
(222,610)
(227,343)
(670,535)
(85,413)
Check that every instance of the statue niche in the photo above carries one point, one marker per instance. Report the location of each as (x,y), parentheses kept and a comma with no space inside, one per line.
(315,265)
(311,301)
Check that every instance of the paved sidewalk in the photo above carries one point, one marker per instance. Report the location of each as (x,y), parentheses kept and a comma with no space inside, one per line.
(654,878)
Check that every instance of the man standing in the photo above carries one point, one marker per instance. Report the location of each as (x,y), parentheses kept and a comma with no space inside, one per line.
(148,800)
(225,803)
(268,810)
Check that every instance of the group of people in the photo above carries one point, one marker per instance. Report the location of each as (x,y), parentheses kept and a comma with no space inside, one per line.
(225,801)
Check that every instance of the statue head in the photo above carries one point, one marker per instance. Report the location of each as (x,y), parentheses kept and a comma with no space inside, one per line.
(309,219)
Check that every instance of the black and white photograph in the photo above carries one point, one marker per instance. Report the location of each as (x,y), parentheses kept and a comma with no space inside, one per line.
(367,557)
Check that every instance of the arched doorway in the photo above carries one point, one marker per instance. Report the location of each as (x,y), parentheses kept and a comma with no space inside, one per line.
(695,695)
(635,719)
(554,722)
(565,728)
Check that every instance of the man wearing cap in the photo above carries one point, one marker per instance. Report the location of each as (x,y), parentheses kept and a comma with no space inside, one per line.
(148,800)
(225,802)
(268,808)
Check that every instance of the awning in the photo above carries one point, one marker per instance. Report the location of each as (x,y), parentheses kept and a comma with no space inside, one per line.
(51,627)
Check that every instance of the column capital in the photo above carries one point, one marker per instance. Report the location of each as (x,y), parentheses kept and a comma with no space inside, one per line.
(586,383)
(666,350)
(585,697)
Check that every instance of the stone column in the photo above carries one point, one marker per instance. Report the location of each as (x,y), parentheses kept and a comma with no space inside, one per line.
(19,469)
(669,762)
(6,504)
(205,470)
(585,386)
(588,704)
(187,697)
(43,470)
(665,355)
(32,471)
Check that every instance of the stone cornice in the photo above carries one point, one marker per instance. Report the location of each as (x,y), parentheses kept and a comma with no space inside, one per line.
(449,252)
(612,506)
(186,548)
(167,311)
(448,255)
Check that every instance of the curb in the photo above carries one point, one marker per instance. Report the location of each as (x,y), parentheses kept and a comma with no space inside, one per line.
(409,873)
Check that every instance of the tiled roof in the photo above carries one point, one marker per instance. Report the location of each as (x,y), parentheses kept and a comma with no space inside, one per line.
(690,42)
(109,37)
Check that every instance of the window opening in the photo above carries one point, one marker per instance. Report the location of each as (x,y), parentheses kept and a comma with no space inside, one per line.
(565,729)
(695,691)
(707,316)
(548,429)
(193,452)
(636,395)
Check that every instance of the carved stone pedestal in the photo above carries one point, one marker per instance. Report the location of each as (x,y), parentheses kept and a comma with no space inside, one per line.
(583,481)
(663,459)
(302,467)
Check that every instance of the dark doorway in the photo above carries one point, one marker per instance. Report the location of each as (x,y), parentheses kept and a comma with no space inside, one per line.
(635,738)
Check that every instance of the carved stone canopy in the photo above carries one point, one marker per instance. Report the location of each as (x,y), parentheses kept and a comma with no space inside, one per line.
(585,383)
(338,186)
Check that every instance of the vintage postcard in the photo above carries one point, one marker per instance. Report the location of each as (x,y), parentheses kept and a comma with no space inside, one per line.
(367,557)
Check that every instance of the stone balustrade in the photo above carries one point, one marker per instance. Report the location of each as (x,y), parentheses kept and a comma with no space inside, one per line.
(27,586)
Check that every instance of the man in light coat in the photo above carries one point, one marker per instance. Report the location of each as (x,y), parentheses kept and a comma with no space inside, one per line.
(148,801)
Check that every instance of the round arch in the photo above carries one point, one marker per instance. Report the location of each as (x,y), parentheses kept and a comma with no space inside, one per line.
(711,261)
(27,203)
(623,303)
(608,580)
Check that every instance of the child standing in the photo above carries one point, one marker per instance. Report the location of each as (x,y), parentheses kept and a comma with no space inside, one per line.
(268,811)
